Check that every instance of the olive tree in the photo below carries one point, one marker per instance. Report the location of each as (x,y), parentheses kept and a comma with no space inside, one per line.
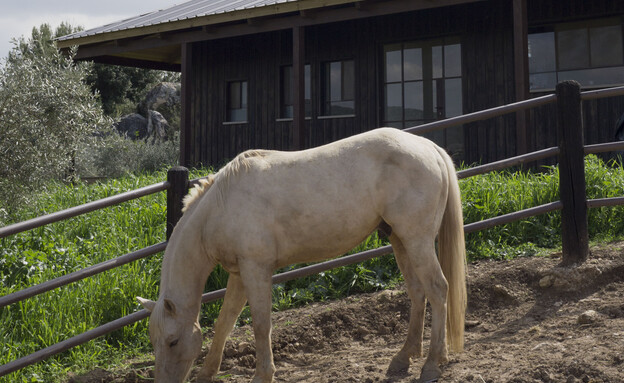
(46,113)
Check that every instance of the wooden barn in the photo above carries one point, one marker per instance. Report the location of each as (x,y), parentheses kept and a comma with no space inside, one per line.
(291,74)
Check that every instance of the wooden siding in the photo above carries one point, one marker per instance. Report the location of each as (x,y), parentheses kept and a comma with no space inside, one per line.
(486,34)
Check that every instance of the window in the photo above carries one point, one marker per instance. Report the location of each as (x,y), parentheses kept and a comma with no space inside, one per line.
(338,93)
(589,53)
(287,91)
(422,83)
(236,101)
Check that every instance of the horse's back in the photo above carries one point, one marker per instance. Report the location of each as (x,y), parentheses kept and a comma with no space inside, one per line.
(328,199)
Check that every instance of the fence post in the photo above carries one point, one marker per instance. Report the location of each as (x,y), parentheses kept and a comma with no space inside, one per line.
(178,177)
(574,232)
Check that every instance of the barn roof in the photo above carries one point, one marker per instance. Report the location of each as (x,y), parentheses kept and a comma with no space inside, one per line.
(199,13)
(154,40)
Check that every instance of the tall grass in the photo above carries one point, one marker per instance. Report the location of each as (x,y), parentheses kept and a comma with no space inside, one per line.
(45,253)
(499,193)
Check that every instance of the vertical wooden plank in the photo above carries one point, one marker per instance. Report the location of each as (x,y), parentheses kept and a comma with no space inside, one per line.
(521,70)
(574,230)
(299,132)
(178,187)
(198,131)
(186,98)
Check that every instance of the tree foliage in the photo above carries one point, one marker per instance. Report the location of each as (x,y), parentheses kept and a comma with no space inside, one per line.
(55,118)
(121,88)
(46,113)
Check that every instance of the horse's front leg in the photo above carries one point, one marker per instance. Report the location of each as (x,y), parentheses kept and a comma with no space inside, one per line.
(257,281)
(233,303)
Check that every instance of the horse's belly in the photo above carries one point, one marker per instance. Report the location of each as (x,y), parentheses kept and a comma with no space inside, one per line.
(317,240)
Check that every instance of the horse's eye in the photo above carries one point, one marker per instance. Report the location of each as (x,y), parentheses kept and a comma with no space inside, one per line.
(172,344)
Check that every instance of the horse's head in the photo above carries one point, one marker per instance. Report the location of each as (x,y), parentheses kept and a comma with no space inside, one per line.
(176,339)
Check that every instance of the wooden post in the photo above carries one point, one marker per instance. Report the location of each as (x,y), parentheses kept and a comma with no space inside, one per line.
(178,177)
(299,135)
(574,232)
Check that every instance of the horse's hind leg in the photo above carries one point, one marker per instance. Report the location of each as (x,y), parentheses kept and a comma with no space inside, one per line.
(233,303)
(420,250)
(413,343)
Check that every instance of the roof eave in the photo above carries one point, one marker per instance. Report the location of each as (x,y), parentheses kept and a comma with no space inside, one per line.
(201,21)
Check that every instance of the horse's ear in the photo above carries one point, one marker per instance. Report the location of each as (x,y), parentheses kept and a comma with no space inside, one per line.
(147,304)
(170,307)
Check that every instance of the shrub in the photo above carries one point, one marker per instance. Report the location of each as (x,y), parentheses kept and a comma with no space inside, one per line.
(113,156)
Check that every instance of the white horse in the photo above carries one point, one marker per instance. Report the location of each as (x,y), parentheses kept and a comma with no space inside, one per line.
(268,209)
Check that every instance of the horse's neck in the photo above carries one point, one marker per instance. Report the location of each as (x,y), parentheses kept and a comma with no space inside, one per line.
(185,269)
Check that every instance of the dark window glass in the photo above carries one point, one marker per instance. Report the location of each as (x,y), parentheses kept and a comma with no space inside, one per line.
(413,100)
(393,63)
(338,95)
(452,60)
(606,46)
(542,52)
(590,54)
(412,64)
(237,101)
(287,89)
(394,102)
(573,49)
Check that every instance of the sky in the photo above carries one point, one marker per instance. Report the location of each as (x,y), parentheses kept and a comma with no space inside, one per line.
(18,17)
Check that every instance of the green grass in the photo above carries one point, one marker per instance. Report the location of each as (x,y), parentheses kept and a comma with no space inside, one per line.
(45,253)
(499,193)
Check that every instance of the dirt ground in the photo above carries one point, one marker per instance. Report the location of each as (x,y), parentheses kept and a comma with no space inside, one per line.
(527,321)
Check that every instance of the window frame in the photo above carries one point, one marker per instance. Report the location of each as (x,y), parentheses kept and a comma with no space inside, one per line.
(433,68)
(427,74)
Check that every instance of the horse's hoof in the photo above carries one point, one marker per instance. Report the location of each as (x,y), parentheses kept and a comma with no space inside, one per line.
(398,366)
(258,379)
(430,373)
(201,379)
(205,378)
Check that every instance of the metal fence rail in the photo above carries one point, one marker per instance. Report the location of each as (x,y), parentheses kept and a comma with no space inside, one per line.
(483,114)
(81,274)
(178,183)
(82,209)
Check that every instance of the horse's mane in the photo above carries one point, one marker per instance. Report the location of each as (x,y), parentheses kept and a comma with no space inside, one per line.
(231,169)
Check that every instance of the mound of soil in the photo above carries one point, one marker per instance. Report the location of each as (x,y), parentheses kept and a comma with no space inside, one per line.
(528,321)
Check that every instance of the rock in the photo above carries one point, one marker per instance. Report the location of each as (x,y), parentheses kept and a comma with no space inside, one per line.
(588,317)
(158,115)
(501,292)
(164,98)
(158,128)
(230,351)
(245,348)
(569,278)
(547,281)
(134,126)
(386,296)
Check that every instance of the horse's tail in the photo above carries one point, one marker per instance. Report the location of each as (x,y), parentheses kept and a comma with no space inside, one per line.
(452,256)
